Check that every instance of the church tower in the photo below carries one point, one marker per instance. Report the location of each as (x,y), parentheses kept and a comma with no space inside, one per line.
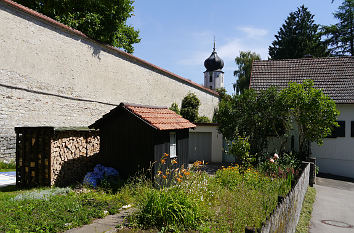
(214,76)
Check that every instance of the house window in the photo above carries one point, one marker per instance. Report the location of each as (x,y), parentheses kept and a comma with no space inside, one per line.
(173,150)
(210,78)
(352,129)
(339,131)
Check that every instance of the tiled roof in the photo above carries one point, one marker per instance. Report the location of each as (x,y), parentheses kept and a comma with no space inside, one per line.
(61,26)
(160,118)
(335,76)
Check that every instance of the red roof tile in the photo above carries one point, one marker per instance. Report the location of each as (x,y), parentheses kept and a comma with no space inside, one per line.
(161,118)
(334,75)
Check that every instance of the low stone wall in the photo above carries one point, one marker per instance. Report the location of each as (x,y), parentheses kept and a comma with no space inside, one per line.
(47,156)
(286,216)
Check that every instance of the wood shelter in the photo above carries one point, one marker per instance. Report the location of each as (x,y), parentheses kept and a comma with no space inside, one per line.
(47,156)
(133,137)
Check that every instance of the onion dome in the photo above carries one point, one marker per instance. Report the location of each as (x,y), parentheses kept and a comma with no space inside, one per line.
(214,62)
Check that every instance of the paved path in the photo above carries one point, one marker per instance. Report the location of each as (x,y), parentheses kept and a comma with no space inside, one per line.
(333,210)
(7,178)
(107,224)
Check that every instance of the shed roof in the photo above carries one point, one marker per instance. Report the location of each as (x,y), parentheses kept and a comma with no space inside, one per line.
(160,118)
(334,75)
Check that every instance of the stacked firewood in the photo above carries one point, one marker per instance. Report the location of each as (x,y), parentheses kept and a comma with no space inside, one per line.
(70,154)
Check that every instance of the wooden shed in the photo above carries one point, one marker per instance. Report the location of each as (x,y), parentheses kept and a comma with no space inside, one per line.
(134,136)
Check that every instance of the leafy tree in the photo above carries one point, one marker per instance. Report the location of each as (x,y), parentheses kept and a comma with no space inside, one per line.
(314,113)
(271,113)
(252,115)
(297,37)
(102,20)
(202,119)
(240,148)
(244,63)
(174,107)
(340,37)
(222,93)
(190,106)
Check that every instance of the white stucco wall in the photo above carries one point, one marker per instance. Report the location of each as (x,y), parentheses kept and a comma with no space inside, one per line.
(51,76)
(336,155)
(216,140)
(217,79)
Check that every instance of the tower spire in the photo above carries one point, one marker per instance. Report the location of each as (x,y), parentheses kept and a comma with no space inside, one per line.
(214,45)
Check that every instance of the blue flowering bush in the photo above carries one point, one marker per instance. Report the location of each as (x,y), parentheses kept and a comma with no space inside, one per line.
(99,174)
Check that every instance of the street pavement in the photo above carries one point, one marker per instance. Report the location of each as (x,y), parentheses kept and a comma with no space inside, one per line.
(333,210)
(7,178)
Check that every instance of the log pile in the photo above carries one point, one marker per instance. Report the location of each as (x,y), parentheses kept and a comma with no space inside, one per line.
(73,153)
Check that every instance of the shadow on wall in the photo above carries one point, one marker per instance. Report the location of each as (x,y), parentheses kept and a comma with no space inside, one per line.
(74,170)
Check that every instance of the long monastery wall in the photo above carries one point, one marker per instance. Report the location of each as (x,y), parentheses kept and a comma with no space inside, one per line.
(54,76)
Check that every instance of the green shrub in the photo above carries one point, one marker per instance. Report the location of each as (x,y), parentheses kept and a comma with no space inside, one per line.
(240,148)
(284,165)
(169,208)
(8,165)
(174,107)
(190,106)
(202,119)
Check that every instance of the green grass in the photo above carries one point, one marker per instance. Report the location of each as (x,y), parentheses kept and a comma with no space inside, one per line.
(36,210)
(7,167)
(305,216)
(195,201)
(7,170)
(226,202)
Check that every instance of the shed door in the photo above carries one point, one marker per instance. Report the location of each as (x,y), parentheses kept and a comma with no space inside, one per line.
(199,147)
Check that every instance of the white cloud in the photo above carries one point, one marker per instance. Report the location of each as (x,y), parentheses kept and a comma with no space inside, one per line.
(251,39)
(233,47)
(253,32)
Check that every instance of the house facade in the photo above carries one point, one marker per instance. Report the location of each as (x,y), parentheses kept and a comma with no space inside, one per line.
(335,77)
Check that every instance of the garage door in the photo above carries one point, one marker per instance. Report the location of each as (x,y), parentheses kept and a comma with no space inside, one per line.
(199,147)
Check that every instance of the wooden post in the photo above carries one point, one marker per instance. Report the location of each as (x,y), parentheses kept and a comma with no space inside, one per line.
(250,229)
(312,180)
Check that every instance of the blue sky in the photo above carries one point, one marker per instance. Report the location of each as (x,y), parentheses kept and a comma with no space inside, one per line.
(178,35)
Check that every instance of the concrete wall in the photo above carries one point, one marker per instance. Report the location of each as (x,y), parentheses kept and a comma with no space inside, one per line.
(54,76)
(216,140)
(336,155)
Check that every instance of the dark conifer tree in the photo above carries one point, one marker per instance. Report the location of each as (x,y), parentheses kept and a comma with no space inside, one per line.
(340,37)
(297,37)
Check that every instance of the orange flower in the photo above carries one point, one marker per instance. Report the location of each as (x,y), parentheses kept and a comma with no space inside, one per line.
(165,155)
(163,161)
(164,177)
(173,161)
(159,172)
(180,176)
(178,179)
(187,173)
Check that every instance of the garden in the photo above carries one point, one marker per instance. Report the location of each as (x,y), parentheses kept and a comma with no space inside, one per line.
(179,198)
